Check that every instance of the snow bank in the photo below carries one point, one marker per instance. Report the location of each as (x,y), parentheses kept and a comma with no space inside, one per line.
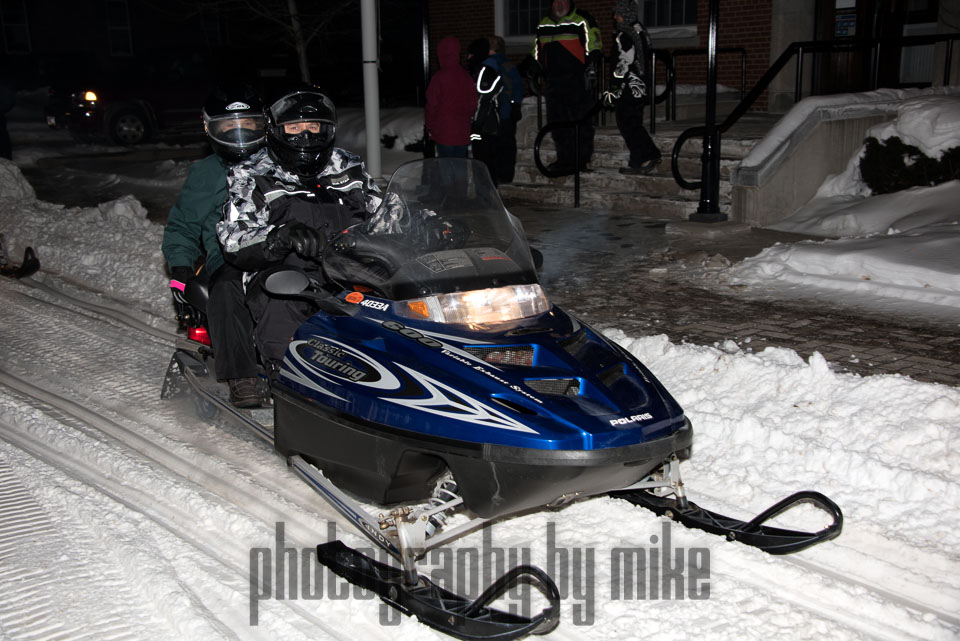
(112,246)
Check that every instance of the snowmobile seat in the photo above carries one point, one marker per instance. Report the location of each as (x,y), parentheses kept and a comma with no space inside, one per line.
(197,291)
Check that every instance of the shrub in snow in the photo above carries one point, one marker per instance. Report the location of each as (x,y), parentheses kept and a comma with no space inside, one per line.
(891,165)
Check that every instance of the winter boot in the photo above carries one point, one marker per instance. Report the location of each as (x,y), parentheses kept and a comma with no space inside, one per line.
(243,392)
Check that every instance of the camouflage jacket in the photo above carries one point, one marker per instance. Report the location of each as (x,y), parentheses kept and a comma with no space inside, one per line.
(262,195)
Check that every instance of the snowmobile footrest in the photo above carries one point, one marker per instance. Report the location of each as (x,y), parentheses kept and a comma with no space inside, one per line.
(768,538)
(441,609)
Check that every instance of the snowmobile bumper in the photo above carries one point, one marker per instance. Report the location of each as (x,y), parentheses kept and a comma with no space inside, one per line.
(390,465)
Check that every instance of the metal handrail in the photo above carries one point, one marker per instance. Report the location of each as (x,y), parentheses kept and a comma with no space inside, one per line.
(576,124)
(668,94)
(703,51)
(799,49)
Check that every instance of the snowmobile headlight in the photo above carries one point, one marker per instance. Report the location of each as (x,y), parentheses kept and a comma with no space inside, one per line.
(478,307)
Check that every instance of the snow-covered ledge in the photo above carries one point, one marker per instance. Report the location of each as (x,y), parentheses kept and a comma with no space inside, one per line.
(812,141)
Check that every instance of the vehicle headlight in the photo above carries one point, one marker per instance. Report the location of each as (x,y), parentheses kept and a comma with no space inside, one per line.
(477,307)
(90,96)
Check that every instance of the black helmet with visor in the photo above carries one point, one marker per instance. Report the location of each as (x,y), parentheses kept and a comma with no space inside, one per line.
(301,129)
(234,122)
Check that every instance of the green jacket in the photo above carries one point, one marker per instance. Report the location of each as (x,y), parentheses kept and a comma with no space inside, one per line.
(191,229)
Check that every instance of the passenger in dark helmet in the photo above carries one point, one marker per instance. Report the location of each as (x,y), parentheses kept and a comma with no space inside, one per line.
(234,123)
(285,202)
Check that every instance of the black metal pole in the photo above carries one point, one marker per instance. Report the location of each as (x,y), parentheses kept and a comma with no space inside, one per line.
(709,209)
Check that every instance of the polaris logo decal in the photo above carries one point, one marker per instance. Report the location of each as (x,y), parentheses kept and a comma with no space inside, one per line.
(627,420)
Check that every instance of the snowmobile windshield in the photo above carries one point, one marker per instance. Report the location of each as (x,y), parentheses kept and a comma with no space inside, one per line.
(440,233)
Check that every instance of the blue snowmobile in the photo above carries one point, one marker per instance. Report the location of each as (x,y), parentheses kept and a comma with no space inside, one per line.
(437,378)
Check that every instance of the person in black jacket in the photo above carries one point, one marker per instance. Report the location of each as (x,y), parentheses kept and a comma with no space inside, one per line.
(629,89)
(568,50)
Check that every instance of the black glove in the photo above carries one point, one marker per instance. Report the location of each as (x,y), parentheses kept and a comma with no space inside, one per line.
(516,111)
(590,78)
(181,274)
(179,277)
(294,237)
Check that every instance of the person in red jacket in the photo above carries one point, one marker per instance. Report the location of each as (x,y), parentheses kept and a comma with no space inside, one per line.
(451,101)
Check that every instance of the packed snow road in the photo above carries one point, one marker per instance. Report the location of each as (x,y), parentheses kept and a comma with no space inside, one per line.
(127,517)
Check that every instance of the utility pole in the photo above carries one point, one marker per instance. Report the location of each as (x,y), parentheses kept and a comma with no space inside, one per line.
(371,84)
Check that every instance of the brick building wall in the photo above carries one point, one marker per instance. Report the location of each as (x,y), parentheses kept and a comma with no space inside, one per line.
(742,23)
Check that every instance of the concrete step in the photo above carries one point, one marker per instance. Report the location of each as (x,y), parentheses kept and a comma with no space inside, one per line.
(689,166)
(626,201)
(608,139)
(606,180)
(656,194)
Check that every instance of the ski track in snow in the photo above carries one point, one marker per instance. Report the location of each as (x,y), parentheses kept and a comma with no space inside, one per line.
(84,436)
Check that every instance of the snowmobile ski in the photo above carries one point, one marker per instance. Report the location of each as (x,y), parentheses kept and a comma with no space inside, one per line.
(773,540)
(28,267)
(441,609)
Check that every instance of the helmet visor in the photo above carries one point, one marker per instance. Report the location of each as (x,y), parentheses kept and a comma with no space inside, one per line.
(309,134)
(237,130)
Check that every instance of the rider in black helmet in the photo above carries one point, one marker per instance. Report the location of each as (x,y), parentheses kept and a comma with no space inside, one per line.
(286,201)
(234,122)
(301,129)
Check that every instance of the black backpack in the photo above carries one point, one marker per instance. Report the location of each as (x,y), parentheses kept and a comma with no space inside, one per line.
(486,119)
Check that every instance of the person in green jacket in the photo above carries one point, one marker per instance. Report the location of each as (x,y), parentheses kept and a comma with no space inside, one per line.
(234,123)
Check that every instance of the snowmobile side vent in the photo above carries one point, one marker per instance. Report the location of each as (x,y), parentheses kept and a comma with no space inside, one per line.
(517,355)
(555,386)
(199,334)
(611,375)
(512,406)
(575,343)
(523,331)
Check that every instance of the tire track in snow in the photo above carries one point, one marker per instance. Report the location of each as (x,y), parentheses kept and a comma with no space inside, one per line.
(173,514)
(28,539)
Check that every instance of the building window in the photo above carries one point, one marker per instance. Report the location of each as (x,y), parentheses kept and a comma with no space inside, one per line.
(16,31)
(523,16)
(669,13)
(118,28)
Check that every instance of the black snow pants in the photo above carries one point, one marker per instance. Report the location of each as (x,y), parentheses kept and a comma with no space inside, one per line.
(568,99)
(629,111)
(230,326)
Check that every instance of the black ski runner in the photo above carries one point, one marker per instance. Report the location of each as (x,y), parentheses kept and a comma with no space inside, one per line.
(770,539)
(441,609)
